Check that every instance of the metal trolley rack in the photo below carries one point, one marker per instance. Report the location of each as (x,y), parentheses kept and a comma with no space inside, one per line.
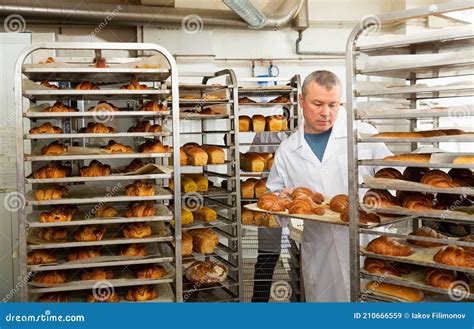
(288,269)
(217,92)
(431,44)
(88,192)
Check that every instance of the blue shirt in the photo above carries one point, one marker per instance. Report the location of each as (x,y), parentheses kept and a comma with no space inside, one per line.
(318,143)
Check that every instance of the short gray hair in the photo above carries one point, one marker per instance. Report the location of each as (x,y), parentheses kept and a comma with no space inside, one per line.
(324,78)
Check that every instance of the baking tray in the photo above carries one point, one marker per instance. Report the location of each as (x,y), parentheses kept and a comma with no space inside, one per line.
(401,113)
(88,135)
(196,116)
(265,104)
(219,222)
(385,163)
(103,114)
(109,94)
(420,91)
(439,139)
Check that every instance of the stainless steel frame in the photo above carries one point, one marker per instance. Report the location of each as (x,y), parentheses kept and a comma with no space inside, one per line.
(106,75)
(411,74)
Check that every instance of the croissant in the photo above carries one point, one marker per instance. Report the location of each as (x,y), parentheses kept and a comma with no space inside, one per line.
(46,128)
(153,106)
(53,298)
(140,188)
(53,234)
(87,85)
(280,99)
(414,174)
(90,233)
(270,202)
(97,274)
(444,279)
(364,217)
(468,238)
(437,178)
(141,209)
(141,293)
(50,277)
(133,250)
(83,253)
(55,148)
(97,128)
(114,147)
(95,169)
(135,165)
(106,211)
(134,85)
(305,206)
(52,170)
(107,298)
(145,127)
(52,193)
(103,106)
(66,208)
(375,199)
(380,267)
(428,232)
(152,272)
(136,230)
(389,173)
(385,245)
(246,100)
(60,107)
(417,202)
(38,257)
(303,192)
(154,147)
(339,203)
(455,256)
(462,174)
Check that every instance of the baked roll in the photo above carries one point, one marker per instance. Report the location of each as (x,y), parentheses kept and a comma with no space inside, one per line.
(271,202)
(97,128)
(455,256)
(50,277)
(134,85)
(51,193)
(97,274)
(145,127)
(206,273)
(83,253)
(114,147)
(136,230)
(46,128)
(154,147)
(90,233)
(95,169)
(103,106)
(134,165)
(339,203)
(385,245)
(252,161)
(276,123)
(153,106)
(154,271)
(244,123)
(52,170)
(427,232)
(87,85)
(53,234)
(55,148)
(246,216)
(401,292)
(204,240)
(305,206)
(141,294)
(140,188)
(52,298)
(55,216)
(444,279)
(133,250)
(389,173)
(414,174)
(205,214)
(107,298)
(141,209)
(38,257)
(60,107)
(105,211)
(216,154)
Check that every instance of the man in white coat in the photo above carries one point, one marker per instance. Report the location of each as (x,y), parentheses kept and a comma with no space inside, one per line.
(315,156)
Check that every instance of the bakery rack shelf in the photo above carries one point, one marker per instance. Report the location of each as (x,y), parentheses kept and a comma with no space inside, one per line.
(162,85)
(197,116)
(407,51)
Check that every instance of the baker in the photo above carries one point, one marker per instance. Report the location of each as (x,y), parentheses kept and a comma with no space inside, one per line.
(315,156)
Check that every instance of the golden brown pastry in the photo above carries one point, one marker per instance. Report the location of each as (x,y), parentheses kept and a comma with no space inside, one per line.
(201,181)
(276,123)
(87,85)
(451,132)
(188,185)
(247,216)
(107,298)
(105,211)
(339,203)
(427,232)
(405,293)
(462,175)
(50,277)
(252,161)
(154,147)
(216,154)
(455,256)
(414,174)
(95,169)
(46,128)
(304,192)
(145,127)
(52,170)
(244,123)
(134,85)
(51,193)
(53,234)
(431,133)
(114,147)
(280,99)
(187,216)
(364,217)
(206,273)
(60,107)
(90,233)
(96,128)
(264,219)
(418,158)
(443,279)
(140,188)
(141,209)
(380,267)
(260,187)
(398,135)
(83,253)
(305,206)
(55,148)
(134,250)
(38,257)
(54,216)
(153,106)
(437,178)
(204,240)
(389,173)
(465,159)
(53,298)
(154,271)
(385,245)
(417,202)
(103,106)
(134,165)
(258,123)
(246,100)
(374,199)
(97,274)
(141,294)
(270,202)
(247,188)
(136,230)
(468,238)
(205,214)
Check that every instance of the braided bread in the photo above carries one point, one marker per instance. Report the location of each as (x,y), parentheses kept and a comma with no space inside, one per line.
(83,253)
(97,274)
(52,193)
(40,257)
(455,256)
(46,128)
(55,215)
(95,169)
(114,147)
(106,211)
(53,234)
(380,267)
(154,271)
(133,250)
(385,245)
(50,277)
(428,232)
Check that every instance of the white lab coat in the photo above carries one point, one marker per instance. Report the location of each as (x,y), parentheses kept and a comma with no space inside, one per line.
(324,247)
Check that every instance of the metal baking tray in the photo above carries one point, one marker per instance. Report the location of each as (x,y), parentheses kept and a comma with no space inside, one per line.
(266,91)
(219,222)
(415,113)
(88,135)
(113,177)
(202,102)
(466,138)
(207,132)
(422,92)
(197,116)
(109,94)
(385,163)
(29,157)
(265,104)
(90,114)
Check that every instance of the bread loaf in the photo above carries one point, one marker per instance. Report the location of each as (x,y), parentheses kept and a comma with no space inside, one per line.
(205,214)
(465,159)
(196,156)
(276,123)
(247,188)
(216,154)
(388,173)
(247,216)
(204,240)
(260,187)
(258,123)
(418,158)
(405,293)
(244,123)
(252,162)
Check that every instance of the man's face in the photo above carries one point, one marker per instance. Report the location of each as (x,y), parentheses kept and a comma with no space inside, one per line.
(320,107)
